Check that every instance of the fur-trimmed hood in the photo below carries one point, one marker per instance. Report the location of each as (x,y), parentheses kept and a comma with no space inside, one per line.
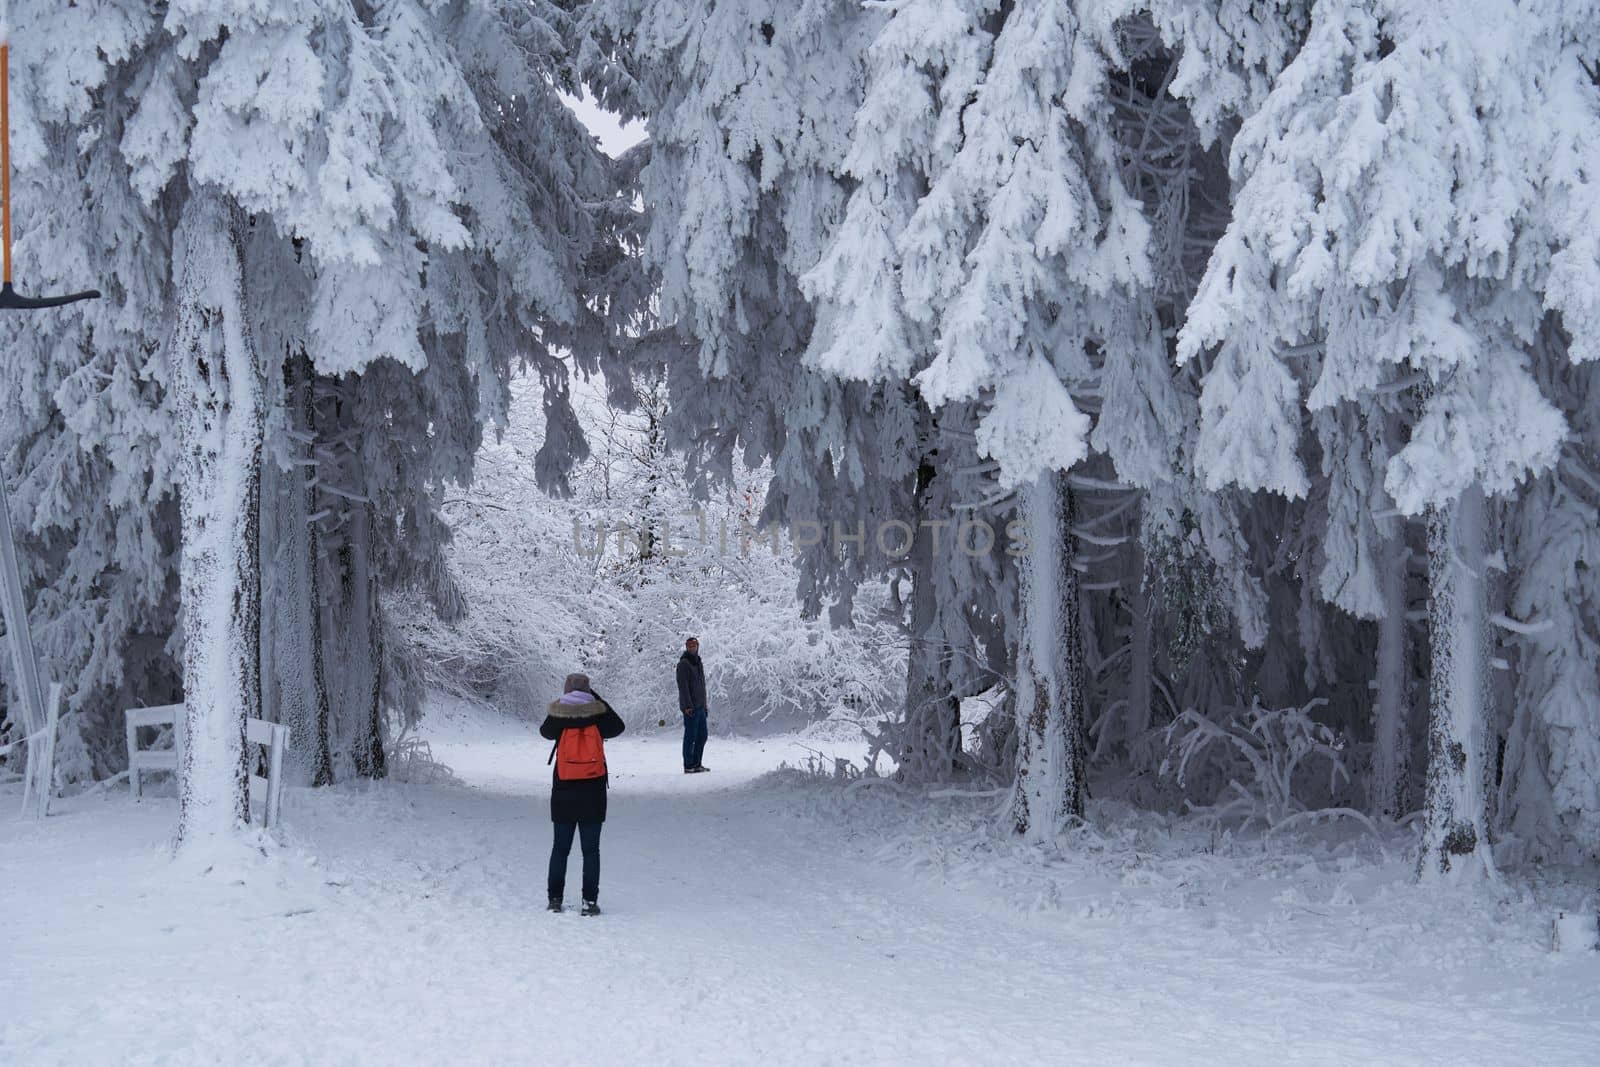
(560,709)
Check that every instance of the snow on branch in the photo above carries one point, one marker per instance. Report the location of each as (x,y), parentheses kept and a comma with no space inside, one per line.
(329,487)
(1527,629)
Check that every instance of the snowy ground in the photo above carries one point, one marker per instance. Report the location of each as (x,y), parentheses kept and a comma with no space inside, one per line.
(749,919)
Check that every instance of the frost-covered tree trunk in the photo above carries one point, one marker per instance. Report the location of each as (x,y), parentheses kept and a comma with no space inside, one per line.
(269,532)
(933,713)
(1454,840)
(294,678)
(355,646)
(367,745)
(215,384)
(320,709)
(1391,742)
(298,378)
(1141,653)
(1051,746)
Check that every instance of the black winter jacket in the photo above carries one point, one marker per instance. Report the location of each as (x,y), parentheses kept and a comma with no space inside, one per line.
(581,800)
(691,682)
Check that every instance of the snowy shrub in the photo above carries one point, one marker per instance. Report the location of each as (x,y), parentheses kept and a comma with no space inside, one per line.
(822,766)
(411,760)
(1258,761)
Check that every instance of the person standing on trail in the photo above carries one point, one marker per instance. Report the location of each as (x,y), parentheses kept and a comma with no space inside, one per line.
(579,724)
(692,699)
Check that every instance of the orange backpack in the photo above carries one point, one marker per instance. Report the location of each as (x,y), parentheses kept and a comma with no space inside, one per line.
(580,754)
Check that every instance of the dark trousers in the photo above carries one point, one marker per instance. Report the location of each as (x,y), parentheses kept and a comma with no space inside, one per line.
(694,737)
(589,834)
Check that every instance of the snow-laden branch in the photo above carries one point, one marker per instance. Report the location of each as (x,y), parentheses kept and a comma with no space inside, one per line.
(1098,540)
(1516,626)
(329,487)
(1098,485)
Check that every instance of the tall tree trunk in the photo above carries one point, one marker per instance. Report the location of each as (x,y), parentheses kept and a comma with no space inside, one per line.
(300,378)
(216,387)
(294,680)
(1141,653)
(1049,790)
(932,744)
(321,709)
(1391,749)
(1455,841)
(367,746)
(270,530)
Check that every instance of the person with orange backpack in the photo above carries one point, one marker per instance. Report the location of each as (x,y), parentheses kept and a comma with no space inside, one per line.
(579,724)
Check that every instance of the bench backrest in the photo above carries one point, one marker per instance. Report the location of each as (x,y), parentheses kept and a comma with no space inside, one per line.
(154,758)
(161,715)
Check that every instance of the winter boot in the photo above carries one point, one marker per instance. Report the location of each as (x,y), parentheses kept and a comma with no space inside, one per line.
(555,904)
(590,908)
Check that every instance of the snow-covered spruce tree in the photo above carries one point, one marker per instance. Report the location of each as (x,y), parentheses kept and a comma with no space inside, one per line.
(1055,242)
(750,107)
(987,179)
(993,184)
(1389,221)
(1550,784)
(403,190)
(379,493)
(1208,570)
(1360,559)
(1192,70)
(924,64)
(534,194)
(88,455)
(1549,795)
(1197,601)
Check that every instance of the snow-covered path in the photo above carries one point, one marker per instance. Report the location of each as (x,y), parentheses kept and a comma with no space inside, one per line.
(406,925)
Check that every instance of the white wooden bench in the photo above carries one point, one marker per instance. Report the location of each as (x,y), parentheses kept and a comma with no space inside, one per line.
(142,760)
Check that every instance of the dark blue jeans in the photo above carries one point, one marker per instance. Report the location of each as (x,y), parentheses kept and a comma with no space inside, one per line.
(694,737)
(589,833)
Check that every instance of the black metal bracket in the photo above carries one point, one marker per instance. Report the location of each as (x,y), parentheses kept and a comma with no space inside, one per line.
(12,300)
